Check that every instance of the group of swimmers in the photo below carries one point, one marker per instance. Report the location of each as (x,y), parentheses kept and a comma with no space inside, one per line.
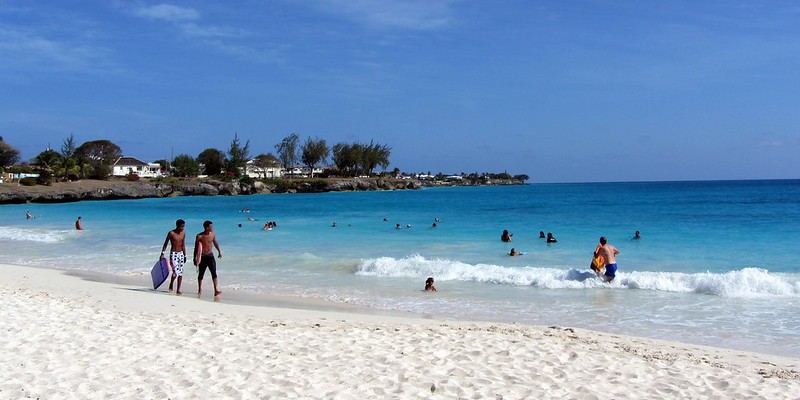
(507,237)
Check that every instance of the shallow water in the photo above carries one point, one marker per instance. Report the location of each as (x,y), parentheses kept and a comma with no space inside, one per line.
(715,264)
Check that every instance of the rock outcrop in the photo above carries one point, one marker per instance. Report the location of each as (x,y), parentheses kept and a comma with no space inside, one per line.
(112,190)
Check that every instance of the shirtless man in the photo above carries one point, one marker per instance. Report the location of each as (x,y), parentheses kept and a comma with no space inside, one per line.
(608,252)
(177,256)
(206,239)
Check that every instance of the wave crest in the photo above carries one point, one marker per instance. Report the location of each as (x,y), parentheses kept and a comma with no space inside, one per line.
(747,282)
(35,235)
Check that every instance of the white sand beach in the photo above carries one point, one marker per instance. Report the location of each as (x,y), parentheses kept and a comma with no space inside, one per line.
(67,337)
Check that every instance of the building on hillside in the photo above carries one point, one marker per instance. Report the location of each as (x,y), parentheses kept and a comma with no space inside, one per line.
(256,172)
(125,166)
(301,171)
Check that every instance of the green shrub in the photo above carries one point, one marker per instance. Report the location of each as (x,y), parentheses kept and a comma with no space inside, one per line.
(27,181)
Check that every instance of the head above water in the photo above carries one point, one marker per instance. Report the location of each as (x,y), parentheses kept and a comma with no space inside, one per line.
(603,240)
(429,280)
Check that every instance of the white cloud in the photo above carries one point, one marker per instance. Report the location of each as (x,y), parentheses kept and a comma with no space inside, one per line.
(395,14)
(193,29)
(24,50)
(167,12)
(187,21)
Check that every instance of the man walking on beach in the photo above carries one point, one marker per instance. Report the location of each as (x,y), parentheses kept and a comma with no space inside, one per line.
(205,240)
(177,255)
(608,252)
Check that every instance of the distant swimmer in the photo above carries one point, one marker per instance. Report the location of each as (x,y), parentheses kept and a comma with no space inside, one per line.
(429,287)
(437,220)
(251,219)
(551,238)
(397,226)
(636,236)
(506,237)
(408,226)
(434,225)
(609,253)
(28,215)
(541,235)
(514,252)
(385,220)
(176,238)
(333,225)
(78,224)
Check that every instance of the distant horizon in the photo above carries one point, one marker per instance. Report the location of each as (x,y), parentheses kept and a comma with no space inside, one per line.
(573,91)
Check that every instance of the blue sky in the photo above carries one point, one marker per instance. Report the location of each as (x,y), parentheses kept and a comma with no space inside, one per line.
(564,91)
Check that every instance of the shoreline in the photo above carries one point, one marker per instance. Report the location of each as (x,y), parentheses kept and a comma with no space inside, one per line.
(69,336)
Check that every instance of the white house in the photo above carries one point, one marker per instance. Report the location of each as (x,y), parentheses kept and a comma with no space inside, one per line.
(256,172)
(301,171)
(125,166)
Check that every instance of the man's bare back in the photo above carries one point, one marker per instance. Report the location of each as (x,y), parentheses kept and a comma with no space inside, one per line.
(609,252)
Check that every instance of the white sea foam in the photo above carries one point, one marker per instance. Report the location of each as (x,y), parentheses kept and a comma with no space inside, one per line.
(747,282)
(35,235)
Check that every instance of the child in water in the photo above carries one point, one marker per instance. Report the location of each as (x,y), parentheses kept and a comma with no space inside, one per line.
(429,285)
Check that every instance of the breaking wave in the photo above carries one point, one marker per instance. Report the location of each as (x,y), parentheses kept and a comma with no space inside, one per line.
(746,282)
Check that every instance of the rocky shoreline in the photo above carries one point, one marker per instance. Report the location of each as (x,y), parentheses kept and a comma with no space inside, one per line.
(65,192)
(12,193)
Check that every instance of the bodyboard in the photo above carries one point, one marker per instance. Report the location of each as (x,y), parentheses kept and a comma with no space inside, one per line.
(198,254)
(159,273)
(598,264)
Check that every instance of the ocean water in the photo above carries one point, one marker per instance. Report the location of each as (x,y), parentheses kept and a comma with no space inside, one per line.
(716,264)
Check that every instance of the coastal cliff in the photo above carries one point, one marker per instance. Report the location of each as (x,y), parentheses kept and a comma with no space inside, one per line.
(64,192)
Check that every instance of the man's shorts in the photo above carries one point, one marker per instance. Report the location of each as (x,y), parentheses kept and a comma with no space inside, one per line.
(177,259)
(611,270)
(207,261)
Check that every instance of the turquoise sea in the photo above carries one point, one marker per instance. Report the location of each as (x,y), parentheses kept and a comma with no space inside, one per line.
(717,263)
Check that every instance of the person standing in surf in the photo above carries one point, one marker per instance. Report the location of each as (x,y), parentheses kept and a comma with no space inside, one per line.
(78,224)
(205,240)
(177,255)
(608,252)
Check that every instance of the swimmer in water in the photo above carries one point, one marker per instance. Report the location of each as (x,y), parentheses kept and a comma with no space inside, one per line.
(429,287)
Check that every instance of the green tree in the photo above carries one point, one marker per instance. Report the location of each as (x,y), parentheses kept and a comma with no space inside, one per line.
(47,159)
(265,161)
(346,158)
(314,152)
(213,161)
(185,165)
(374,155)
(238,156)
(521,177)
(96,158)
(69,167)
(8,154)
(46,164)
(68,147)
(287,150)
